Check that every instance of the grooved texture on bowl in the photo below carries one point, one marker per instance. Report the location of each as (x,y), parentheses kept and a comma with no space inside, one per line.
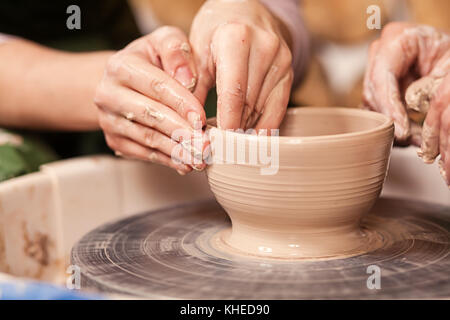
(332,165)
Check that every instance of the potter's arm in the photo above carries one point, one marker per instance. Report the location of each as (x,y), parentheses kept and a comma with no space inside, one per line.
(45,88)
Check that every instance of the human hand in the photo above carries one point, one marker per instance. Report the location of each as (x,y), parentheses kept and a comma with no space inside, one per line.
(436,130)
(242,48)
(144,98)
(417,58)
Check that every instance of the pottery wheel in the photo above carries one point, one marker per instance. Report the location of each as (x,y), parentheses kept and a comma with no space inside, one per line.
(168,254)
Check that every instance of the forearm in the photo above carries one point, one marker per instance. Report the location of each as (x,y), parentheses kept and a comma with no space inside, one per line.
(41,88)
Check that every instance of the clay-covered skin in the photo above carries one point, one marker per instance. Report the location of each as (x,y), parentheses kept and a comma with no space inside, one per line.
(332,164)
(403,54)
(242,49)
(145,97)
(416,57)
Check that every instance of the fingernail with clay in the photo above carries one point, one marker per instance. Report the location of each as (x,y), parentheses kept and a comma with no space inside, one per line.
(184,76)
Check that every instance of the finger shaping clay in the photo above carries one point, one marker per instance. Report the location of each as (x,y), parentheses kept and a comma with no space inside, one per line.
(332,163)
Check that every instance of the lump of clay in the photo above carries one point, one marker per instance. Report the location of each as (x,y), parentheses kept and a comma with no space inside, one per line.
(420,92)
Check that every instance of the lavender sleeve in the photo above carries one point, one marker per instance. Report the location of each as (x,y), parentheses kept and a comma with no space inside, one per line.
(288,11)
(5,37)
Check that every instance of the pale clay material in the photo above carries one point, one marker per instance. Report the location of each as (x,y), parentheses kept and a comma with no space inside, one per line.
(332,165)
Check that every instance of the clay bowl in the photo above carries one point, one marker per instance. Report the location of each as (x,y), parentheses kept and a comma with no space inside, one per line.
(332,165)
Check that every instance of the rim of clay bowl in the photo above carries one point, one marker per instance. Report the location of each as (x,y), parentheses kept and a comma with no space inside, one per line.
(385,123)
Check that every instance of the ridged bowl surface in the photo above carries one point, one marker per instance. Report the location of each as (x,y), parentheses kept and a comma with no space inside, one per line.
(332,163)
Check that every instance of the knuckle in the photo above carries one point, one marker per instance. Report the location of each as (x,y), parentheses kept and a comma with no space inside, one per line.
(101,95)
(233,31)
(114,64)
(167,30)
(271,42)
(170,37)
(174,44)
(112,142)
(132,46)
(285,58)
(286,54)
(179,105)
(393,28)
(390,26)
(149,138)
(290,76)
(234,93)
(157,86)
(233,98)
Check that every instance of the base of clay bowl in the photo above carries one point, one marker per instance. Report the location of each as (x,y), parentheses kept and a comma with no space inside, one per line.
(300,247)
(332,163)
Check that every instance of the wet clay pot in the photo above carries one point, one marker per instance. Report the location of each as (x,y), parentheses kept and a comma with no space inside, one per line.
(332,163)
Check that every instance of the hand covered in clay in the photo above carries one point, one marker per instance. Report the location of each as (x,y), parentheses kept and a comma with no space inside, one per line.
(145,96)
(436,140)
(416,60)
(240,47)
